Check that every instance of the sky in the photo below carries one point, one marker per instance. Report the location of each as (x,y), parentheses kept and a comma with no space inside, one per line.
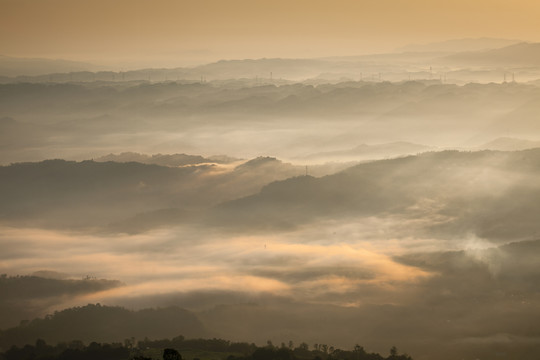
(186,32)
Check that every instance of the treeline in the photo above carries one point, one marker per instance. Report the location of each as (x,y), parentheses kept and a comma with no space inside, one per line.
(172,349)
(213,345)
(74,350)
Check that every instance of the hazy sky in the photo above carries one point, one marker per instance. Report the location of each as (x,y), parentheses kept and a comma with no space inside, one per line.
(179,32)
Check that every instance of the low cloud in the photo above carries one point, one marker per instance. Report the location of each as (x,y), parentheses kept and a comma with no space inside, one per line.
(185,260)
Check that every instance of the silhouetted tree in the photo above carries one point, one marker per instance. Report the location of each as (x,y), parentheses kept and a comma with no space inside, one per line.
(171,354)
(395,356)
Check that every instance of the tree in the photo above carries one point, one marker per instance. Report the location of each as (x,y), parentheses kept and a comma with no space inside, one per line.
(324,348)
(171,354)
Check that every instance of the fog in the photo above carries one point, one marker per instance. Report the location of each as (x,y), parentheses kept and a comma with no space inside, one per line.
(87,120)
(379,200)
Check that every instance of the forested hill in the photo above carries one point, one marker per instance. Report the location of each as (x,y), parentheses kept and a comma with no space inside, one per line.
(474,192)
(97,323)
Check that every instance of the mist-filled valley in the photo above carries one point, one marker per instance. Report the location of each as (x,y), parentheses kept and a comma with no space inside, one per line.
(381,200)
(274,107)
(296,121)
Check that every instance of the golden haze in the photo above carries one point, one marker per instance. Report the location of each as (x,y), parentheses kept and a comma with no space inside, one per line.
(175,32)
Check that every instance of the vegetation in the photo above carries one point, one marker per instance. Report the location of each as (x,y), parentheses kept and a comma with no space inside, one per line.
(174,348)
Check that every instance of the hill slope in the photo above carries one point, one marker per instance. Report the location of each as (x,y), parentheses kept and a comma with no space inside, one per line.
(492,194)
(104,324)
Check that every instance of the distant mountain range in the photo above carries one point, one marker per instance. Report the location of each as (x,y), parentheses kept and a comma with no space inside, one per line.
(510,144)
(15,66)
(521,54)
(460,45)
(411,59)
(367,152)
